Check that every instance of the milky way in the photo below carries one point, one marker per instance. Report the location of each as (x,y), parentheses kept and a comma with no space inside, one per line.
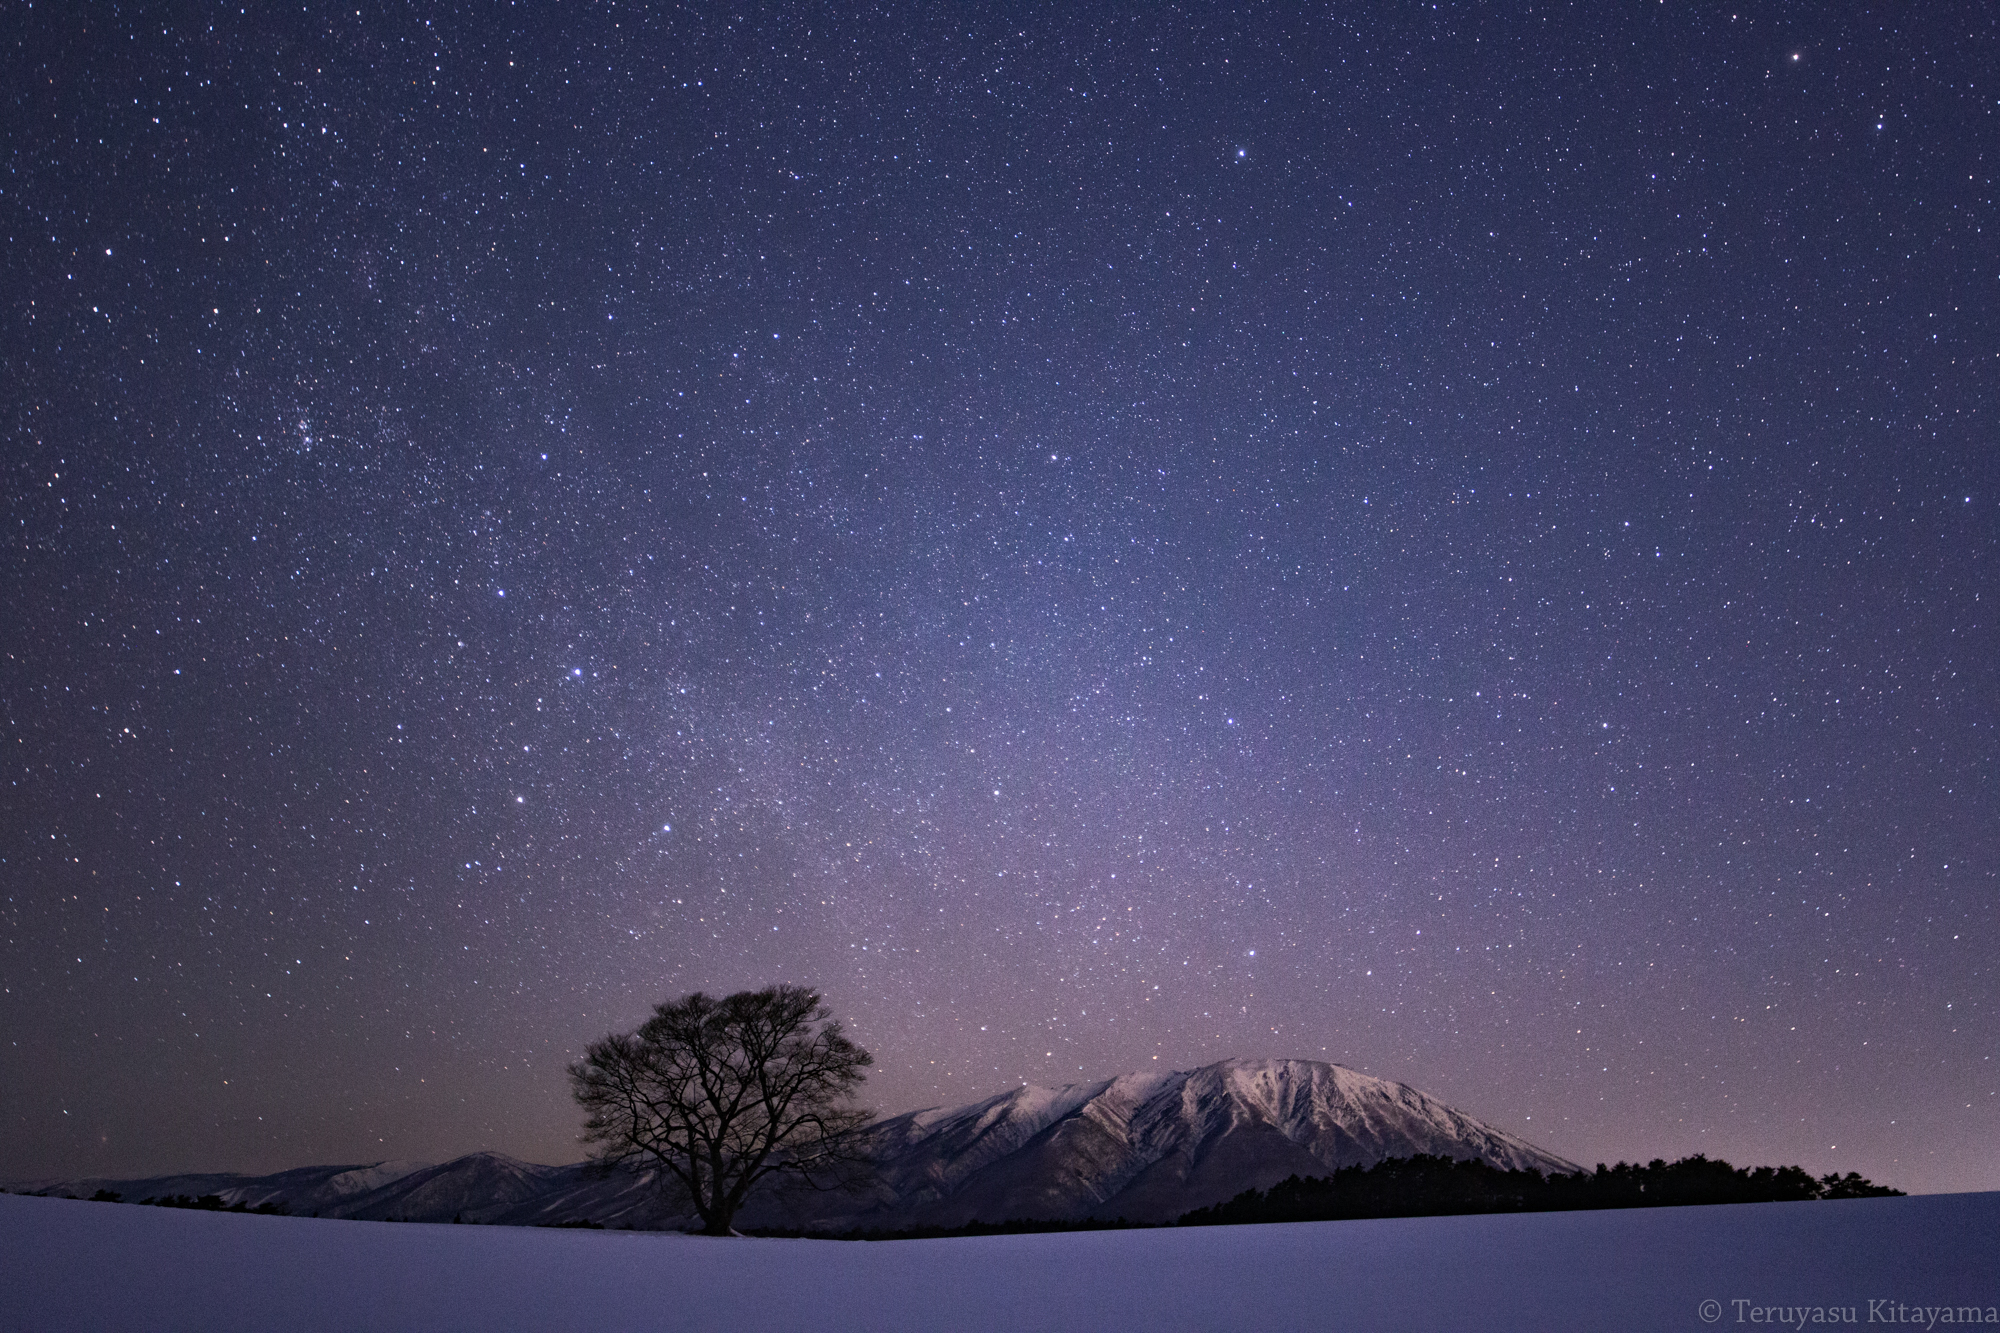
(1454,540)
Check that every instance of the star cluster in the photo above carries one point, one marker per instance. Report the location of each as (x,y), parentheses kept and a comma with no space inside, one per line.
(1454,540)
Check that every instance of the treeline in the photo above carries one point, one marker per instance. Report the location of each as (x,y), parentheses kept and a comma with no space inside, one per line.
(1424,1186)
(1419,1186)
(208,1203)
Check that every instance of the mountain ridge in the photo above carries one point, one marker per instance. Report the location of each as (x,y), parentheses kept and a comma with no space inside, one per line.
(1146,1147)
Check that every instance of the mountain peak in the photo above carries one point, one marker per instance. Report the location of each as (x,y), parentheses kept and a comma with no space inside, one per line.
(1149,1146)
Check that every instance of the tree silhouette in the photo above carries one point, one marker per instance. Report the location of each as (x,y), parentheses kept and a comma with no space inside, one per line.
(717,1096)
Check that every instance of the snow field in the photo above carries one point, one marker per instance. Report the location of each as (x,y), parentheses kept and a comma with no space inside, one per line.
(72,1265)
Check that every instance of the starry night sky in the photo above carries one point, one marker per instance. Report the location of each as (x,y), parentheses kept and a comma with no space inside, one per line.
(1454,539)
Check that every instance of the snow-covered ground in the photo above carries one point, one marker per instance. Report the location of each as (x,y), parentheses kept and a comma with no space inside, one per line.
(73,1265)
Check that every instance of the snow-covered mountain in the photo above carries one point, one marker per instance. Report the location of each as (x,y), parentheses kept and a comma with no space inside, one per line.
(1146,1147)
(1149,1147)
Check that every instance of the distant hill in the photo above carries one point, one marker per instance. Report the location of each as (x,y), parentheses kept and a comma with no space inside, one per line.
(1145,1147)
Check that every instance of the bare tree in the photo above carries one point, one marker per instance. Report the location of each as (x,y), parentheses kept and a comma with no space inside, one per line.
(718,1095)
